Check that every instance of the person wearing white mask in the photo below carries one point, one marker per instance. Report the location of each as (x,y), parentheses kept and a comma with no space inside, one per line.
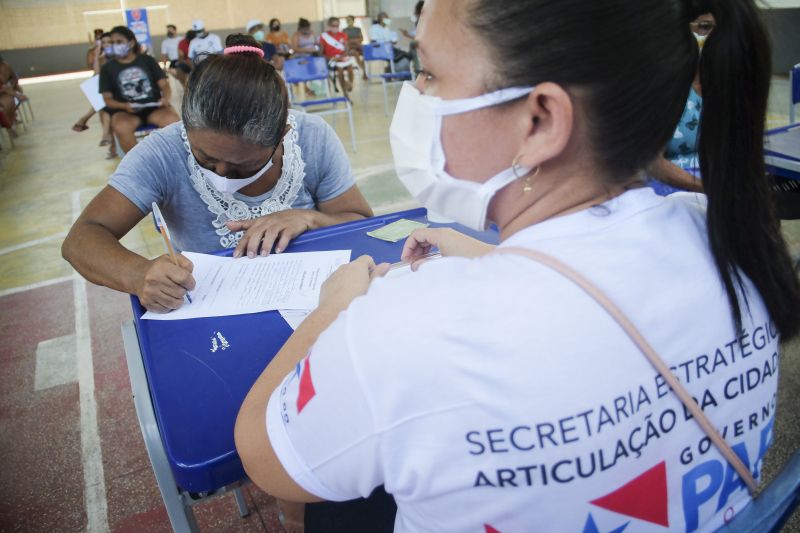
(240,172)
(412,34)
(517,388)
(204,43)
(381,32)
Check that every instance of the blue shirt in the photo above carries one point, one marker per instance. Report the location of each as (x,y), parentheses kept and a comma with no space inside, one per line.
(157,170)
(682,148)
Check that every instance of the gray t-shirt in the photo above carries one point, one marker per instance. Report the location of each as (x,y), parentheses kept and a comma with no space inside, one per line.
(157,170)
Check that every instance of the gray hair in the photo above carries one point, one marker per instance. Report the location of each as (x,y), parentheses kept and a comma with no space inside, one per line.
(238,94)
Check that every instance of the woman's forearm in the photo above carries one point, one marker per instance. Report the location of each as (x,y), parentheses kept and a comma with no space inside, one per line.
(100,258)
(321,220)
(671,174)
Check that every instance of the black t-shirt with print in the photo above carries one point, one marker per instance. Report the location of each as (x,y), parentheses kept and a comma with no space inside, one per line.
(135,82)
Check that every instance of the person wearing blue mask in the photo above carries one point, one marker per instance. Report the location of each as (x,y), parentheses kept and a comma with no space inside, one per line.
(103,53)
(241,172)
(135,89)
(533,386)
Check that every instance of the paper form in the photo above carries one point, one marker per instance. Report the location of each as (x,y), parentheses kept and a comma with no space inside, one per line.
(91,89)
(227,286)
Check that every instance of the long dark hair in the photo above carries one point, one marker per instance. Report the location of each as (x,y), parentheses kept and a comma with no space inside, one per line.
(743,229)
(240,94)
(632,64)
(128,34)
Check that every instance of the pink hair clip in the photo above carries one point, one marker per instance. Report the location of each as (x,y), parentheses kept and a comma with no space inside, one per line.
(242,49)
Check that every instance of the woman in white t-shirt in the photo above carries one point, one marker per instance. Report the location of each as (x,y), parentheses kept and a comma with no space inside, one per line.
(487,392)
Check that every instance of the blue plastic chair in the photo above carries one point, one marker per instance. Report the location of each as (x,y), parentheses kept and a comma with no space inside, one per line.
(383,52)
(794,91)
(773,506)
(305,69)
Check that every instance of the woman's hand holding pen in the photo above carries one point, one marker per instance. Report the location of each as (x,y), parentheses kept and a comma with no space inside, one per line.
(163,285)
(449,242)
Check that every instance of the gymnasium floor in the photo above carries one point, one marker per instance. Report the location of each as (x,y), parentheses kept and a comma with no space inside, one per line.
(71,454)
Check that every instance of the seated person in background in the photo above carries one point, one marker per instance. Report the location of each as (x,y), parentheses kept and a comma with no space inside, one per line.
(204,43)
(135,89)
(380,33)
(669,172)
(304,42)
(170,54)
(412,34)
(355,43)
(240,172)
(334,48)
(105,54)
(10,92)
(184,63)
(256,30)
(94,47)
(279,38)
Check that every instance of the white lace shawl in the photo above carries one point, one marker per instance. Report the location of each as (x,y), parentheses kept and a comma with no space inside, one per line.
(226,207)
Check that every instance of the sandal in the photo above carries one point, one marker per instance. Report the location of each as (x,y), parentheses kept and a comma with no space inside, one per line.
(78,127)
(105,142)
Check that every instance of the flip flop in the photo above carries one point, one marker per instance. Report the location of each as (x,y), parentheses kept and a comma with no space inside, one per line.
(77,127)
(105,142)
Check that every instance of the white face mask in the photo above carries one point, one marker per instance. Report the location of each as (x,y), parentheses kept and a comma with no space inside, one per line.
(416,139)
(228,185)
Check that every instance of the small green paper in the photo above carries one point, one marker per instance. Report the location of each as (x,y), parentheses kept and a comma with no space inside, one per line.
(397,230)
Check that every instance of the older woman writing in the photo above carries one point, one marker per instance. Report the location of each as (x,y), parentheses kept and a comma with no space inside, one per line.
(239,172)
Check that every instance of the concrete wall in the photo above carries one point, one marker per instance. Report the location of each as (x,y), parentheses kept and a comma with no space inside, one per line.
(71,57)
(40,23)
(784,26)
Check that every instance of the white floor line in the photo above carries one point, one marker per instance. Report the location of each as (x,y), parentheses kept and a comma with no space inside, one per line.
(28,244)
(45,283)
(404,205)
(366,172)
(91,453)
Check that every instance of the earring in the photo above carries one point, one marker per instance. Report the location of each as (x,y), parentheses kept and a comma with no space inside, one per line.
(515,168)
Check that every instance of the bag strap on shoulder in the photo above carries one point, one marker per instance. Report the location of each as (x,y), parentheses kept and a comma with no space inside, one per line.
(638,339)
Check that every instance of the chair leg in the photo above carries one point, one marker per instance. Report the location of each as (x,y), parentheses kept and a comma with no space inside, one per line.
(241,503)
(10,138)
(385,98)
(19,117)
(352,127)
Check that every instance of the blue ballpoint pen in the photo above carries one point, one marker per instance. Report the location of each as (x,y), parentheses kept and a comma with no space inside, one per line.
(164,231)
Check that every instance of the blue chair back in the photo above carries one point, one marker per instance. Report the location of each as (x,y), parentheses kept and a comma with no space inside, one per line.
(378,52)
(773,506)
(305,69)
(794,90)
